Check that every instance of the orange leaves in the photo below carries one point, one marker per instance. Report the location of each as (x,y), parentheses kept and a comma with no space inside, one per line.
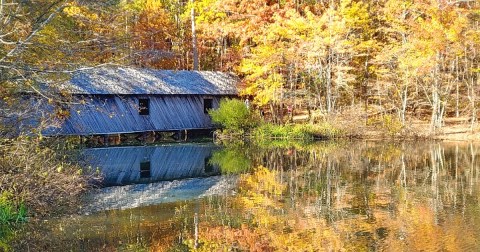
(154,33)
(223,238)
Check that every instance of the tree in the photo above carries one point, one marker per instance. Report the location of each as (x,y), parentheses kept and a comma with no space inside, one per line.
(154,36)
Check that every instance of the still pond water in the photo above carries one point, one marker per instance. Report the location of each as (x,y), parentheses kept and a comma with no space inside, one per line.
(324,196)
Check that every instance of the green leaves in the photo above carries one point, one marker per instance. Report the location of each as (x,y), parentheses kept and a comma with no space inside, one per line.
(9,212)
(234,115)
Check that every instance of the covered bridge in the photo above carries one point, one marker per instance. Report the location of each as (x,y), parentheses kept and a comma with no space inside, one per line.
(115,100)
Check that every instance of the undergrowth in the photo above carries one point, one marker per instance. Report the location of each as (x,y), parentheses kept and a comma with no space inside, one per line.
(10,211)
(38,175)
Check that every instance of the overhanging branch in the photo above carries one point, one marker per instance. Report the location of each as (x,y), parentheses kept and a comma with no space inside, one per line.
(41,25)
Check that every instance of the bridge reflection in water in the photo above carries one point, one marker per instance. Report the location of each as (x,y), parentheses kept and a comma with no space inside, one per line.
(146,175)
(147,164)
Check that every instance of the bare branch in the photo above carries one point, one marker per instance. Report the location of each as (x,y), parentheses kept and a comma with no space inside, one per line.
(6,42)
(41,25)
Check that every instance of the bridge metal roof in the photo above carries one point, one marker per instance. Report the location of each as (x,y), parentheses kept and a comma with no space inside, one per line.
(141,81)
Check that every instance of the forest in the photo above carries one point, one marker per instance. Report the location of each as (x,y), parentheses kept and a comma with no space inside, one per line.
(389,62)
(313,67)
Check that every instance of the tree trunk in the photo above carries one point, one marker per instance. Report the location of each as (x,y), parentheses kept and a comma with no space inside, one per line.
(403,109)
(437,106)
(329,82)
(457,93)
(472,97)
(194,38)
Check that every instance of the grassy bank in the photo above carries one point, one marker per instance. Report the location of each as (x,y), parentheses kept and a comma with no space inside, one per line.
(296,131)
(239,122)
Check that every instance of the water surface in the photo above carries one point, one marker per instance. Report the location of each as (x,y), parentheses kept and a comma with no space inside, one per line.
(354,196)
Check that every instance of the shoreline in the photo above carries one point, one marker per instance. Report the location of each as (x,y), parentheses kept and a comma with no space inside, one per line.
(419,130)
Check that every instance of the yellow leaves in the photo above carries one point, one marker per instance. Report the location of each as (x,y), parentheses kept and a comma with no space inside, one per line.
(440,27)
(153,5)
(289,27)
(62,113)
(262,70)
(252,68)
(142,5)
(49,36)
(72,10)
(209,11)
(80,12)
(355,14)
(420,31)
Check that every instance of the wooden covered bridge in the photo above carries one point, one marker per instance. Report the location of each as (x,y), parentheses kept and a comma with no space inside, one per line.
(118,100)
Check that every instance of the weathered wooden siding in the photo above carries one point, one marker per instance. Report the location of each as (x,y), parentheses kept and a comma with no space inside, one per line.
(110,114)
(121,165)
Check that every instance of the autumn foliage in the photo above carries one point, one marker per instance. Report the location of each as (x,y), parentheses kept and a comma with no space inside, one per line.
(406,59)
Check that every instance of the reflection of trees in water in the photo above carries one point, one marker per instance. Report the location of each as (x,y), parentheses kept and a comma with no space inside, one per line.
(326,196)
(439,172)
(366,195)
(114,230)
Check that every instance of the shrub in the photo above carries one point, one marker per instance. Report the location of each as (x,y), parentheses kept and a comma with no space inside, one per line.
(40,175)
(232,114)
(392,124)
(277,131)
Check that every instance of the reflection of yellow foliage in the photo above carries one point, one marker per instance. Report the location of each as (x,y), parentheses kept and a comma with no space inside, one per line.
(263,181)
(226,239)
(272,229)
(428,232)
(388,153)
(271,214)
(305,234)
(259,194)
